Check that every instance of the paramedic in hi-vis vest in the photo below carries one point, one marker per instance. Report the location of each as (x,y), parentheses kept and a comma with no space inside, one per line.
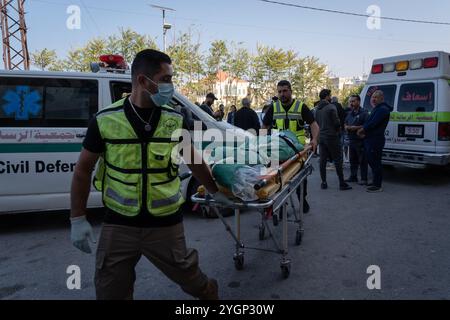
(292,114)
(138,178)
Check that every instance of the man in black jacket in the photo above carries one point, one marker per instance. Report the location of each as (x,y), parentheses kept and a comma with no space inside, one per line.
(246,118)
(207,105)
(330,139)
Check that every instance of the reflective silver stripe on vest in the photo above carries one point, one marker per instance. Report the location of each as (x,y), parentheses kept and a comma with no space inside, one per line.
(297,107)
(166,202)
(118,198)
(290,116)
(105,113)
(173,114)
(278,107)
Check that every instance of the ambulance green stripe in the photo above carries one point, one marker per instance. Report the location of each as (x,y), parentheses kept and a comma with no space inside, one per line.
(420,116)
(39,147)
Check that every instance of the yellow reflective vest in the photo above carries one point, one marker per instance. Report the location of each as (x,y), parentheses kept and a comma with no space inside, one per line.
(293,117)
(134,174)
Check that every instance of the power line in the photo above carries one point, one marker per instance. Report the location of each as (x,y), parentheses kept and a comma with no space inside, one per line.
(354,13)
(90,16)
(103,9)
(243,25)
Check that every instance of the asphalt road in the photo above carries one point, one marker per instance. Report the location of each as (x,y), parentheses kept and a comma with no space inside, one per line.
(404,230)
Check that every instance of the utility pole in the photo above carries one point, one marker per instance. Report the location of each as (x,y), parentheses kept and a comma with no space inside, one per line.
(14,35)
(166,26)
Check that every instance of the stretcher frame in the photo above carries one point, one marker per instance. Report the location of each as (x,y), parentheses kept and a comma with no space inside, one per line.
(275,209)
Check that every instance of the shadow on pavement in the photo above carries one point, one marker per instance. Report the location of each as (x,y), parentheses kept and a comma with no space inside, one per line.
(40,221)
(437,176)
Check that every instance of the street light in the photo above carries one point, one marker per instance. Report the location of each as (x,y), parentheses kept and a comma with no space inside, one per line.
(166,25)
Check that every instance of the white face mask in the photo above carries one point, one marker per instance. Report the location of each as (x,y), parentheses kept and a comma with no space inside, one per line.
(164,94)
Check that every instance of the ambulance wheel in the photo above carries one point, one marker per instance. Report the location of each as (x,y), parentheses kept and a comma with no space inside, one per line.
(239,261)
(298,237)
(286,270)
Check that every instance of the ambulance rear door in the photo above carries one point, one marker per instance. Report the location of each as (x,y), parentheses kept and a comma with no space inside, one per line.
(415,119)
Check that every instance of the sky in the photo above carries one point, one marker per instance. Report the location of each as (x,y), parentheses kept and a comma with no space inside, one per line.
(344,43)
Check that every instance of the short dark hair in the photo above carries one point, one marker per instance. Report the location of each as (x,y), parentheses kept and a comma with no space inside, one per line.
(356,96)
(148,62)
(324,93)
(211,96)
(284,83)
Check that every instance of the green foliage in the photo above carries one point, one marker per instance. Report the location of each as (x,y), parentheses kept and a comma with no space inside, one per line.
(195,72)
(344,95)
(310,76)
(44,59)
(128,43)
(187,61)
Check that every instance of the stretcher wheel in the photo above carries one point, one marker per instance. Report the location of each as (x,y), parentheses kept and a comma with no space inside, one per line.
(208,212)
(286,269)
(262,232)
(239,261)
(275,220)
(298,237)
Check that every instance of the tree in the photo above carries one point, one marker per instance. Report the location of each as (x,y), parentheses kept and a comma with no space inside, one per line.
(238,64)
(291,60)
(344,94)
(128,43)
(187,62)
(269,66)
(216,61)
(44,59)
(74,61)
(310,76)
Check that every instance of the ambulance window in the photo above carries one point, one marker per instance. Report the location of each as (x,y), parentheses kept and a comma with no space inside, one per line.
(47,102)
(119,90)
(20,100)
(69,99)
(416,97)
(389,95)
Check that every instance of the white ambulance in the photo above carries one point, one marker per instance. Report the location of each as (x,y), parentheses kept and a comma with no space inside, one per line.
(417,86)
(43,120)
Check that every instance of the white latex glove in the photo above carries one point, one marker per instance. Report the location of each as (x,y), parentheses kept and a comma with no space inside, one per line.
(80,233)
(221,199)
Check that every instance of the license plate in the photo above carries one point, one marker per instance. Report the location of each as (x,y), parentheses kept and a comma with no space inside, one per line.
(414,131)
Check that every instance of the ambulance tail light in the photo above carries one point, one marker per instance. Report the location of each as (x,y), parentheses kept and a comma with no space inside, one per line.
(430,62)
(444,131)
(402,66)
(389,67)
(416,64)
(377,68)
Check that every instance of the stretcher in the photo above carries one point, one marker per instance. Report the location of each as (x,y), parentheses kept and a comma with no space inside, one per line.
(274,208)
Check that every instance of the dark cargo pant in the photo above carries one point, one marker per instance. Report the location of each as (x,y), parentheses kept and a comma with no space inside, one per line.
(374,153)
(121,247)
(358,159)
(331,148)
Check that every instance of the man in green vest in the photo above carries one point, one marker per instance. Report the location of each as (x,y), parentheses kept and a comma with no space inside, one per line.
(138,178)
(291,114)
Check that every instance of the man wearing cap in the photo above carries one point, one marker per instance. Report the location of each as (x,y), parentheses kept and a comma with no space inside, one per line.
(207,105)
